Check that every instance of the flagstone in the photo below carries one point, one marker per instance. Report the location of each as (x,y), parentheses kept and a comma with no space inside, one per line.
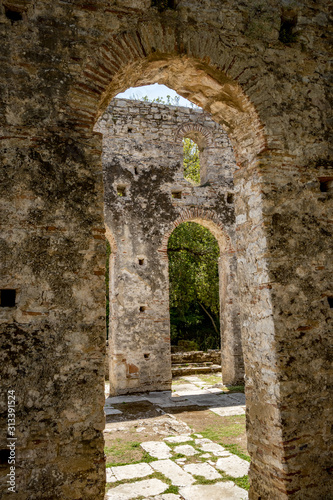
(110,477)
(178,439)
(202,469)
(157,449)
(233,465)
(145,488)
(229,411)
(171,470)
(131,471)
(207,445)
(185,449)
(219,491)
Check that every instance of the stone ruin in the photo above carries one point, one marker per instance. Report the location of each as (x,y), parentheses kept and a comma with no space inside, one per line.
(146,197)
(261,70)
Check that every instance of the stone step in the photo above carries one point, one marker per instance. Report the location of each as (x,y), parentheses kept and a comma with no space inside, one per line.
(190,370)
(188,363)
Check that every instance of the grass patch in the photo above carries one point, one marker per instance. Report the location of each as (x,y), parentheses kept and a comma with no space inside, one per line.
(211,379)
(235,388)
(145,458)
(235,427)
(233,448)
(172,489)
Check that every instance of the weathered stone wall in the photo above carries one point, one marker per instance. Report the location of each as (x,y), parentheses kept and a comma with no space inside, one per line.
(212,355)
(146,197)
(261,69)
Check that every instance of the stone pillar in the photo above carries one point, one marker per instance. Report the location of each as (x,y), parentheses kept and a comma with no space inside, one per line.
(231,343)
(139,334)
(283,270)
(53,338)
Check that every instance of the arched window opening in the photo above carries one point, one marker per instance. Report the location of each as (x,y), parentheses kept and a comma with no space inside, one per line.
(191,161)
(193,254)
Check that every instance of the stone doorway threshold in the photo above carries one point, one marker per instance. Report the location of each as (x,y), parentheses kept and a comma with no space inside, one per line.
(154,452)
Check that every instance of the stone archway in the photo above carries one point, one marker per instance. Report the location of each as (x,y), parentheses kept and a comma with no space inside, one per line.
(63,64)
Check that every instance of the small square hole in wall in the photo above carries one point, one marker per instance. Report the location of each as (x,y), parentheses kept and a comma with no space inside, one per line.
(141,262)
(330,302)
(326,184)
(121,190)
(146,355)
(177,195)
(7,298)
(230,198)
(142,309)
(4,456)
(13,15)
(129,130)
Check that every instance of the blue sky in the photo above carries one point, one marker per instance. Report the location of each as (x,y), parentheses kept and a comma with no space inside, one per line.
(153,91)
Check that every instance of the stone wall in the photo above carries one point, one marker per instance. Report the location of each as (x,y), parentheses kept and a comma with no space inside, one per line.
(146,197)
(261,69)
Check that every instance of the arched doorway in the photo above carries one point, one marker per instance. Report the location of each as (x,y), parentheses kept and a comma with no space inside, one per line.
(281,153)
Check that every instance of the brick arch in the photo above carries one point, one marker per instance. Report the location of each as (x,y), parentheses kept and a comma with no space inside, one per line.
(197,132)
(206,218)
(155,53)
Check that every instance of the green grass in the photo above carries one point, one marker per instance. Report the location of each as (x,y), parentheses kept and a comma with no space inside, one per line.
(211,379)
(235,388)
(172,489)
(120,448)
(145,458)
(234,429)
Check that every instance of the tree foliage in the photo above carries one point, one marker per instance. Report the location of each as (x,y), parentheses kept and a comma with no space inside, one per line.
(194,285)
(191,161)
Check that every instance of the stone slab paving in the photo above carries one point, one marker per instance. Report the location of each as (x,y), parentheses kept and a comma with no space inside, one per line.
(110,477)
(208,445)
(111,411)
(180,472)
(131,471)
(218,491)
(229,411)
(145,488)
(186,449)
(233,465)
(178,439)
(205,470)
(174,472)
(157,449)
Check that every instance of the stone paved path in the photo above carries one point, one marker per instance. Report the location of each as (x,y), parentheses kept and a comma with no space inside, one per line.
(204,471)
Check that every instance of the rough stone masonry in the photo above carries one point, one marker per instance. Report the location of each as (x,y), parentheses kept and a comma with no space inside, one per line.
(146,197)
(261,69)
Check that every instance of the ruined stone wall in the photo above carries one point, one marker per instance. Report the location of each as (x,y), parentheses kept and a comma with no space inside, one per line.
(261,69)
(146,197)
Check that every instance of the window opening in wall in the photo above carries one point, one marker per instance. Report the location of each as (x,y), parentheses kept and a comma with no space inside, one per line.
(129,130)
(191,161)
(230,198)
(13,15)
(141,262)
(121,190)
(193,254)
(177,195)
(142,309)
(135,170)
(326,184)
(7,298)
(330,301)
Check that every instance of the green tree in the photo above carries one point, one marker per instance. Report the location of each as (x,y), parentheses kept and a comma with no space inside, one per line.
(191,161)
(194,285)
